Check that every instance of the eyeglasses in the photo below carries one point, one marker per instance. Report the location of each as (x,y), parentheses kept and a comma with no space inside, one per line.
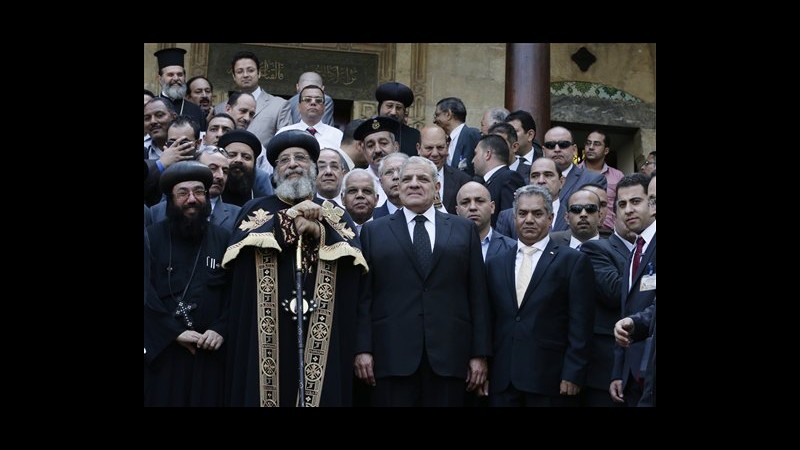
(594,144)
(561,144)
(319,100)
(298,158)
(590,208)
(184,193)
(647,163)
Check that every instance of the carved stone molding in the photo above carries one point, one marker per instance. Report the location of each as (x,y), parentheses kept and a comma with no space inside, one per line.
(198,64)
(419,71)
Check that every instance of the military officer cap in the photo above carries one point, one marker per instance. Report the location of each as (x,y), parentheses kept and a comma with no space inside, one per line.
(170,57)
(242,136)
(288,139)
(185,171)
(394,91)
(376,124)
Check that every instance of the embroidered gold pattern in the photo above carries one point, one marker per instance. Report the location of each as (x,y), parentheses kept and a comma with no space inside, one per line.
(267,309)
(258,217)
(319,336)
(333,215)
(261,240)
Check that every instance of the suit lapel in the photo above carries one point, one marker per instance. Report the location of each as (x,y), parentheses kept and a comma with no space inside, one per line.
(572,178)
(443,233)
(548,255)
(397,223)
(511,280)
(646,259)
(261,103)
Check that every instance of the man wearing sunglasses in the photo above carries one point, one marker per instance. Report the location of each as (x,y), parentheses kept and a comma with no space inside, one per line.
(560,147)
(583,217)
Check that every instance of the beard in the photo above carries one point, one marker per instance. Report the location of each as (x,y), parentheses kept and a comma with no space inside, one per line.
(296,189)
(240,183)
(175,91)
(191,228)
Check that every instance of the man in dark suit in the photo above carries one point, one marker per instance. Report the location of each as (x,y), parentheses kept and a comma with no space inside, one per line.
(475,203)
(528,150)
(560,147)
(608,257)
(389,181)
(516,163)
(544,173)
(542,299)
(638,283)
(490,161)
(394,99)
(433,146)
(451,115)
(641,325)
(423,316)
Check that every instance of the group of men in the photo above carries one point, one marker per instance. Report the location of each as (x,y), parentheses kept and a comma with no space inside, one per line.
(394,273)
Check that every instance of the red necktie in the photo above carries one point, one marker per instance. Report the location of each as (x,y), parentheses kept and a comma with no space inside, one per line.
(637,256)
(311,130)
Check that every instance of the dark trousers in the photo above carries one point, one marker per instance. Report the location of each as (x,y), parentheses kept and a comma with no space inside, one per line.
(422,388)
(592,397)
(512,396)
(632,392)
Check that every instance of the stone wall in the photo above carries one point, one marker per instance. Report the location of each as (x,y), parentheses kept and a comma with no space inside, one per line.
(617,91)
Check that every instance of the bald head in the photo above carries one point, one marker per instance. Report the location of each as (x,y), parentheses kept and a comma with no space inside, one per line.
(474,202)
(432,145)
(309,78)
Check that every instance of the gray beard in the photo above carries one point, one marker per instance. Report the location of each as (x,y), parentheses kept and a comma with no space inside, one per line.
(175,92)
(300,188)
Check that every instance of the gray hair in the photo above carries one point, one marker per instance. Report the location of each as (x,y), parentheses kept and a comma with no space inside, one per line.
(357,171)
(432,171)
(531,190)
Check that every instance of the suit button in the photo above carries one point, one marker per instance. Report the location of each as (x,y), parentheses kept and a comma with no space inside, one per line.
(517,318)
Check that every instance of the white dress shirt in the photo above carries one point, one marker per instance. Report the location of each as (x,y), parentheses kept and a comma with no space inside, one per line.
(430,224)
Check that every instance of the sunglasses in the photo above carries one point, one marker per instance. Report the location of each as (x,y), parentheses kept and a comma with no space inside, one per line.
(590,208)
(561,144)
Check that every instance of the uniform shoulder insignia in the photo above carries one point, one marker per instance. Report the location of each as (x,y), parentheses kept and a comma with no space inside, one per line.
(333,215)
(256,219)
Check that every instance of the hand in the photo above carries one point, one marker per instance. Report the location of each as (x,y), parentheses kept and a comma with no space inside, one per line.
(363,368)
(308,209)
(188,339)
(476,375)
(568,388)
(615,389)
(622,331)
(180,150)
(210,340)
(483,391)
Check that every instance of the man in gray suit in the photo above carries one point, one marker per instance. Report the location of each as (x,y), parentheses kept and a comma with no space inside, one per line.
(560,147)
(244,69)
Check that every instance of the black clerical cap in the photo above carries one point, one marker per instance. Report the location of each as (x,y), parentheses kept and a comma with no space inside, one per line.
(395,91)
(170,57)
(376,124)
(242,136)
(288,139)
(185,171)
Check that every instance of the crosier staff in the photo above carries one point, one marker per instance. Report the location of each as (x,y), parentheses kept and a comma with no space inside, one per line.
(299,315)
